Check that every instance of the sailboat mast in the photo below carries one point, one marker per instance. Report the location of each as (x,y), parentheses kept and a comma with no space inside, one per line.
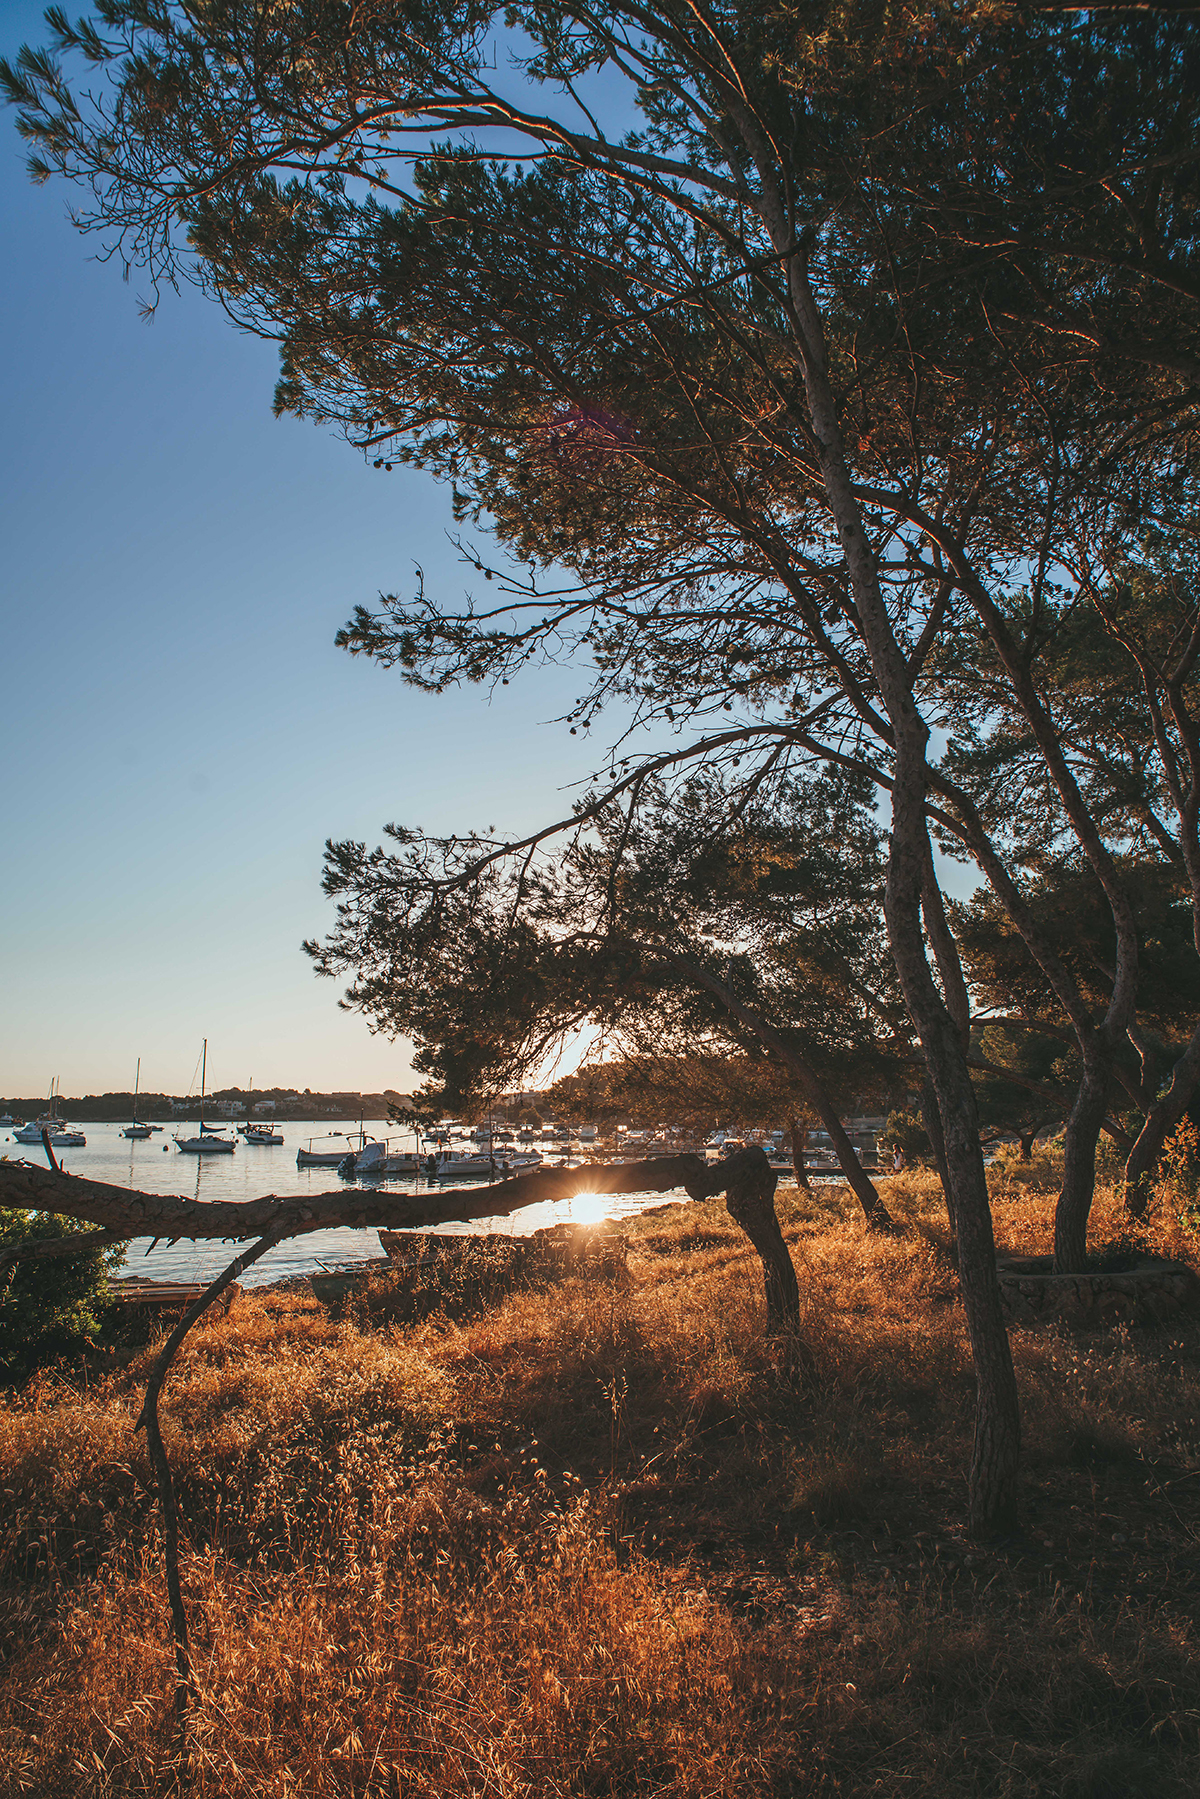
(203,1072)
(137,1081)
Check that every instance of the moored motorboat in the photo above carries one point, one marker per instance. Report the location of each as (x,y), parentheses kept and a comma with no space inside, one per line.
(261,1133)
(452,1167)
(61,1135)
(380,1159)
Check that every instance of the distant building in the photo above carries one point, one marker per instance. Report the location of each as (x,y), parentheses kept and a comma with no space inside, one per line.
(266,1105)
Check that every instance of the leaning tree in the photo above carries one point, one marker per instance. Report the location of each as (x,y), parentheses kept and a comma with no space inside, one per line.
(797,339)
(689,917)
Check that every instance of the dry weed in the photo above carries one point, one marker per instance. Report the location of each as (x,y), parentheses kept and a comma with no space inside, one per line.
(610,1539)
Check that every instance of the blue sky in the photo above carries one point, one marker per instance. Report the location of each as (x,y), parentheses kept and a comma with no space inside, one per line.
(178,733)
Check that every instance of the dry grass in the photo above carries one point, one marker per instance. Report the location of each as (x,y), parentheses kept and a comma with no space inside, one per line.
(604,1538)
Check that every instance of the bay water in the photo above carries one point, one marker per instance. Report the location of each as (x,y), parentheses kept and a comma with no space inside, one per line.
(154,1165)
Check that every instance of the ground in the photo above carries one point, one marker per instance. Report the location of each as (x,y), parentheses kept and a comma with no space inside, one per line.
(605,1537)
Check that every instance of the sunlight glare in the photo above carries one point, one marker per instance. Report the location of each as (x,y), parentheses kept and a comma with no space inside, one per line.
(589,1208)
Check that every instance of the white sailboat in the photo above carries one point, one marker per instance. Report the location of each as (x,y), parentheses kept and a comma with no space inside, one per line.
(136,1128)
(208,1141)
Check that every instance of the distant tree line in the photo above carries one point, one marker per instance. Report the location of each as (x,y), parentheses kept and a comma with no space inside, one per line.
(118,1107)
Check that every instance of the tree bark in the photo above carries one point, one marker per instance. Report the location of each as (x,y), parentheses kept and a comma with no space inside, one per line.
(1079,1166)
(749,1184)
(931,1118)
(798,1165)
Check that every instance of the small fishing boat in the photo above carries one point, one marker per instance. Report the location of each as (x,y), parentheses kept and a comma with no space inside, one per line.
(376,1158)
(208,1141)
(327,1158)
(451,1167)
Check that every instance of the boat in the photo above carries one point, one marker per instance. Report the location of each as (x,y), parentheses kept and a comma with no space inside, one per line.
(260,1133)
(208,1140)
(6,1121)
(136,1128)
(328,1158)
(376,1158)
(451,1167)
(61,1135)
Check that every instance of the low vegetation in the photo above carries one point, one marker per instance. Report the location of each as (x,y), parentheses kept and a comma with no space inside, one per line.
(602,1537)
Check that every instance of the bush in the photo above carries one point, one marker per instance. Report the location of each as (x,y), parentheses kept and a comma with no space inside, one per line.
(1179,1173)
(905,1131)
(50,1307)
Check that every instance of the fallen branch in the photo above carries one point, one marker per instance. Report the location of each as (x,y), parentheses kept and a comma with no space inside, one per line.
(148,1416)
(127,1213)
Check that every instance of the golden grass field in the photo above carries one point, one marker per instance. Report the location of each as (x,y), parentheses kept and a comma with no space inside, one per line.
(604,1538)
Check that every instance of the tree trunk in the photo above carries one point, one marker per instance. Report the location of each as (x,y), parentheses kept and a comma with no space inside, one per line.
(1026,1139)
(993,1479)
(809,1083)
(125,1213)
(1161,1120)
(997,1414)
(749,1184)
(931,1118)
(797,1136)
(1079,1167)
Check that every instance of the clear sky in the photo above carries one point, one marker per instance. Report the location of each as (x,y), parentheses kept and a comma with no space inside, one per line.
(178,733)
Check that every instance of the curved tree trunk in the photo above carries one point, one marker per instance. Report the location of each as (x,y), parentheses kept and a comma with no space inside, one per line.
(996,1449)
(747,1178)
(1079,1167)
(1160,1121)
(798,1165)
(749,1182)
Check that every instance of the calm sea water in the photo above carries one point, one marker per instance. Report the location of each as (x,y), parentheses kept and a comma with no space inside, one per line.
(154,1165)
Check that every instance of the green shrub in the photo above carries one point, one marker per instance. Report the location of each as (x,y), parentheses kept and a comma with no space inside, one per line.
(54,1306)
(905,1131)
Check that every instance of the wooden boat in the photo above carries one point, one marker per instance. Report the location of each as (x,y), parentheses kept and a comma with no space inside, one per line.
(136,1290)
(326,1158)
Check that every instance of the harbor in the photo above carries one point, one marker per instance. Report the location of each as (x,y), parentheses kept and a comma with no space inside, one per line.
(152,1165)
